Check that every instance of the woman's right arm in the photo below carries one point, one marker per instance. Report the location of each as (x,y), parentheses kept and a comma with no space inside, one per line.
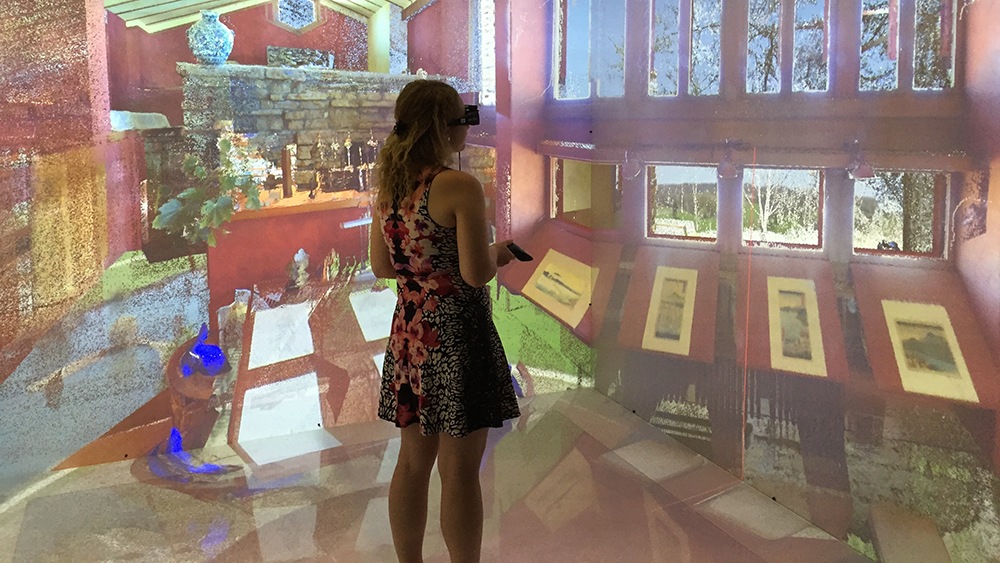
(477,258)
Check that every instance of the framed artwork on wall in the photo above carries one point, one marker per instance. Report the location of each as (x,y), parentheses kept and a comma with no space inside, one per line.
(927,353)
(562,286)
(793,321)
(671,311)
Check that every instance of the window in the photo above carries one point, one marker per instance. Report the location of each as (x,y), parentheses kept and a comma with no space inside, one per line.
(899,212)
(683,202)
(764,47)
(934,45)
(297,16)
(879,44)
(811,39)
(665,49)
(706,47)
(487,52)
(587,194)
(783,207)
(665,57)
(589,48)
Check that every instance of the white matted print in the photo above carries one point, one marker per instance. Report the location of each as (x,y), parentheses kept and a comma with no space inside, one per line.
(927,353)
(284,419)
(671,311)
(563,286)
(281,334)
(796,340)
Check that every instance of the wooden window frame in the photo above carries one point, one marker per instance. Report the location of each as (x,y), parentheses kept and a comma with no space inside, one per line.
(651,208)
(942,189)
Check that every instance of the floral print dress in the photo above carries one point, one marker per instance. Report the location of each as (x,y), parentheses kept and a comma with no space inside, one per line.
(445,366)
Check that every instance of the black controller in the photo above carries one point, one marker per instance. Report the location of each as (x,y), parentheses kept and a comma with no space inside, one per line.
(519,253)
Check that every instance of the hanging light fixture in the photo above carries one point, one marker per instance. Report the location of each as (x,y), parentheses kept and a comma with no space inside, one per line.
(859,168)
(727,168)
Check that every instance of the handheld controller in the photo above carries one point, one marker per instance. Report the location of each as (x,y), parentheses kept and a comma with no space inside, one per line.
(519,253)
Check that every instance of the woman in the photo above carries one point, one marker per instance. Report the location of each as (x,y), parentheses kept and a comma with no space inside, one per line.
(445,380)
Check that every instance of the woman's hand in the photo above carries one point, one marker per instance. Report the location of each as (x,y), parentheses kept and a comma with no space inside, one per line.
(503,254)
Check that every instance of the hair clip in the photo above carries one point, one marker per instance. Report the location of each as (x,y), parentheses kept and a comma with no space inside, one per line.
(399,129)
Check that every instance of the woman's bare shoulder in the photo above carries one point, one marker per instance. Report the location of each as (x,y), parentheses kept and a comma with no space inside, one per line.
(456,184)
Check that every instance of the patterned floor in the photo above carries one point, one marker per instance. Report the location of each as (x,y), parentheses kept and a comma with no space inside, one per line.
(576,479)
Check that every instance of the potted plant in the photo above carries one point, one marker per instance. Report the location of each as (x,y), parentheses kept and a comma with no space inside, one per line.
(197,209)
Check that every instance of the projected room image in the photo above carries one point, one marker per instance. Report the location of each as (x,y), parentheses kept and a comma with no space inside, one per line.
(759,320)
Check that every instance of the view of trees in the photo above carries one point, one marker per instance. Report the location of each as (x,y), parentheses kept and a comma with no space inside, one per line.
(878,61)
(781,205)
(809,73)
(933,62)
(663,77)
(895,207)
(764,47)
(933,44)
(706,47)
(684,201)
(705,63)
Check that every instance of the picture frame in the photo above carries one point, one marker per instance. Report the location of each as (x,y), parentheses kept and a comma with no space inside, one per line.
(671,311)
(796,339)
(926,350)
(563,286)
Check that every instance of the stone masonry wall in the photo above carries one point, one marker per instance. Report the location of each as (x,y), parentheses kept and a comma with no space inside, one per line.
(293,105)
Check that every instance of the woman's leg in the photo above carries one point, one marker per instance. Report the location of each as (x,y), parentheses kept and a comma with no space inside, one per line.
(408,493)
(461,496)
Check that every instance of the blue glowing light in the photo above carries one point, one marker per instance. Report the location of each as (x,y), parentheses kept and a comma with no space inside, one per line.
(204,358)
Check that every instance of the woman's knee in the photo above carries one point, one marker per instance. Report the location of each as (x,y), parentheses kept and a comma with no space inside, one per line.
(461,457)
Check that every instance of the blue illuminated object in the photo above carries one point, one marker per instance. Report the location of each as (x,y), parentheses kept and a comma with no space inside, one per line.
(204,358)
(175,449)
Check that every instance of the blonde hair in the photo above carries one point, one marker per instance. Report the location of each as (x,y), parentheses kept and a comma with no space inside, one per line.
(423,110)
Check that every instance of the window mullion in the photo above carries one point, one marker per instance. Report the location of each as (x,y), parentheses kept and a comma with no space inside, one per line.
(684,37)
(734,49)
(845,47)
(786,31)
(638,59)
(907,14)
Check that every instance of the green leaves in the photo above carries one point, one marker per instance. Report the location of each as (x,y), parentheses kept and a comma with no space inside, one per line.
(190,163)
(215,213)
(252,194)
(227,184)
(169,215)
(197,213)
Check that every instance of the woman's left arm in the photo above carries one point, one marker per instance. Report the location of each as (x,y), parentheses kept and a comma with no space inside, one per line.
(382,265)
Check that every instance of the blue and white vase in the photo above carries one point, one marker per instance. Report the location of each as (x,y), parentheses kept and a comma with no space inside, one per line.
(210,40)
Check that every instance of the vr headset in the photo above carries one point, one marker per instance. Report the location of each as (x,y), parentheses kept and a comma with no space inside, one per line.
(471,117)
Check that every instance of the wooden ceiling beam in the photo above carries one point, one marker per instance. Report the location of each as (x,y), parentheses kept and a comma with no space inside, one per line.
(148,12)
(119,6)
(349,10)
(415,7)
(371,5)
(178,19)
(131,5)
(218,6)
